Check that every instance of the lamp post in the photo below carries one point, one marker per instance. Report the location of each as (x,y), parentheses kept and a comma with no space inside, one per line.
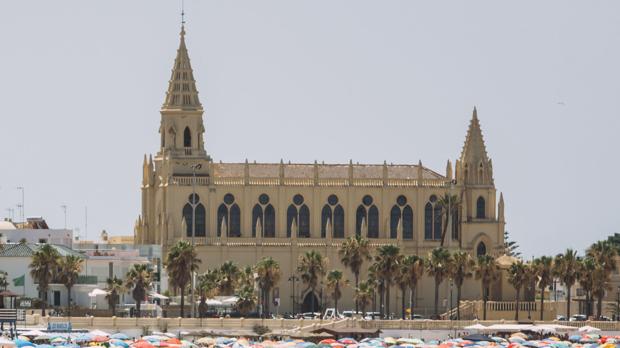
(193,203)
(22,206)
(293,279)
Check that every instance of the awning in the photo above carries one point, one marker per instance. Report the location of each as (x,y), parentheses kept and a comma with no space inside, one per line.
(97,292)
(153,294)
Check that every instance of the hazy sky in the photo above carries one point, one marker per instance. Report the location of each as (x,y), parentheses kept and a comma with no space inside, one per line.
(82,83)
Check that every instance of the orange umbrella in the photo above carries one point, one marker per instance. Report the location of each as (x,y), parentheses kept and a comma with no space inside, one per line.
(142,344)
(173,341)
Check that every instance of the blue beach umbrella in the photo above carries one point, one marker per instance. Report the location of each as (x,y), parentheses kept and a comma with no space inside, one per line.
(23,343)
(120,336)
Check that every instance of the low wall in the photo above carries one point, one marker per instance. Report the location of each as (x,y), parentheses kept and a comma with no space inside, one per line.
(165,324)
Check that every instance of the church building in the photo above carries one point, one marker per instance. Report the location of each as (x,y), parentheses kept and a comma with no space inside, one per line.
(245,211)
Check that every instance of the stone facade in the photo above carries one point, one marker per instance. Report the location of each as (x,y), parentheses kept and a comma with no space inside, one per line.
(245,211)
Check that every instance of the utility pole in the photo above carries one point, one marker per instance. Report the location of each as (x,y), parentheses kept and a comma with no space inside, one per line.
(23,205)
(64,210)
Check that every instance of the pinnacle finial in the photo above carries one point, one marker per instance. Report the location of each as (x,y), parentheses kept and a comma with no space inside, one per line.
(475,113)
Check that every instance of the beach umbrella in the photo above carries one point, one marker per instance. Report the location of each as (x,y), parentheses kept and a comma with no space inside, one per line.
(327,341)
(33,333)
(99,333)
(588,329)
(23,343)
(207,341)
(58,340)
(100,339)
(142,344)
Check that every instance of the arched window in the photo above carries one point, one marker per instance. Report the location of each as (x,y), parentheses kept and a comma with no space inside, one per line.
(481,249)
(201,221)
(455,225)
(291,215)
(234,229)
(304,221)
(407,222)
(437,222)
(187,137)
(394,220)
(360,216)
(480,208)
(270,222)
(257,218)
(373,222)
(428,221)
(338,222)
(326,215)
(187,216)
(222,215)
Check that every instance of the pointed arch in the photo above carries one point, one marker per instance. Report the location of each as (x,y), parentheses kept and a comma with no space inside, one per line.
(407,222)
(222,215)
(291,214)
(481,249)
(480,208)
(187,216)
(257,216)
(234,230)
(201,221)
(326,214)
(395,216)
(428,221)
(373,222)
(304,221)
(187,137)
(338,222)
(360,215)
(270,222)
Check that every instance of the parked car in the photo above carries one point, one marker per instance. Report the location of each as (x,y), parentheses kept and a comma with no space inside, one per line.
(578,317)
(417,317)
(372,315)
(560,318)
(310,315)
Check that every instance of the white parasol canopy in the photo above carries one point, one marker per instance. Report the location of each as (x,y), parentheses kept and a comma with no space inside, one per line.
(97,292)
(99,333)
(477,327)
(588,329)
(153,294)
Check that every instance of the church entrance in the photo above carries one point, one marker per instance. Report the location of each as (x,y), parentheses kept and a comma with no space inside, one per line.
(310,304)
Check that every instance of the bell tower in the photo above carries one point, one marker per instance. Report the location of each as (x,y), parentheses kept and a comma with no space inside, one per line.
(182,127)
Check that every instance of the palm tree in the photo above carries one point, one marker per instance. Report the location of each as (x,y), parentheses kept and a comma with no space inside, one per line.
(268,271)
(603,253)
(334,283)
(139,279)
(438,266)
(114,287)
(413,269)
(450,205)
(566,269)
(401,278)
(388,261)
(43,270)
(517,277)
(363,295)
(246,299)
(229,278)
(353,252)
(462,267)
(180,264)
(488,272)
(586,269)
(207,288)
(312,266)
(543,267)
(69,268)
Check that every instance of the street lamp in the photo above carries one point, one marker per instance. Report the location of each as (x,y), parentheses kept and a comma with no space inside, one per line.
(21,188)
(194,203)
(293,279)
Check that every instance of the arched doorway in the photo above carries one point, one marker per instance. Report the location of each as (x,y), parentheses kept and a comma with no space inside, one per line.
(310,304)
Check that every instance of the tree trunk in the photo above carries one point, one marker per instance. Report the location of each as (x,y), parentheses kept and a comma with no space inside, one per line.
(68,301)
(542,302)
(517,305)
(485,298)
(458,302)
(336,301)
(381,301)
(436,311)
(568,301)
(182,303)
(357,279)
(445,230)
(387,299)
(44,302)
(266,304)
(599,306)
(312,302)
(411,302)
(113,296)
(402,300)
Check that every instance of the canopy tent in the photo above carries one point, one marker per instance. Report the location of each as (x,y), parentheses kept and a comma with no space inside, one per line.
(588,329)
(476,327)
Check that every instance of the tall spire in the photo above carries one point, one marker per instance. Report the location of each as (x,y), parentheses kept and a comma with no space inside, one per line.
(182,93)
(474,150)
(474,166)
